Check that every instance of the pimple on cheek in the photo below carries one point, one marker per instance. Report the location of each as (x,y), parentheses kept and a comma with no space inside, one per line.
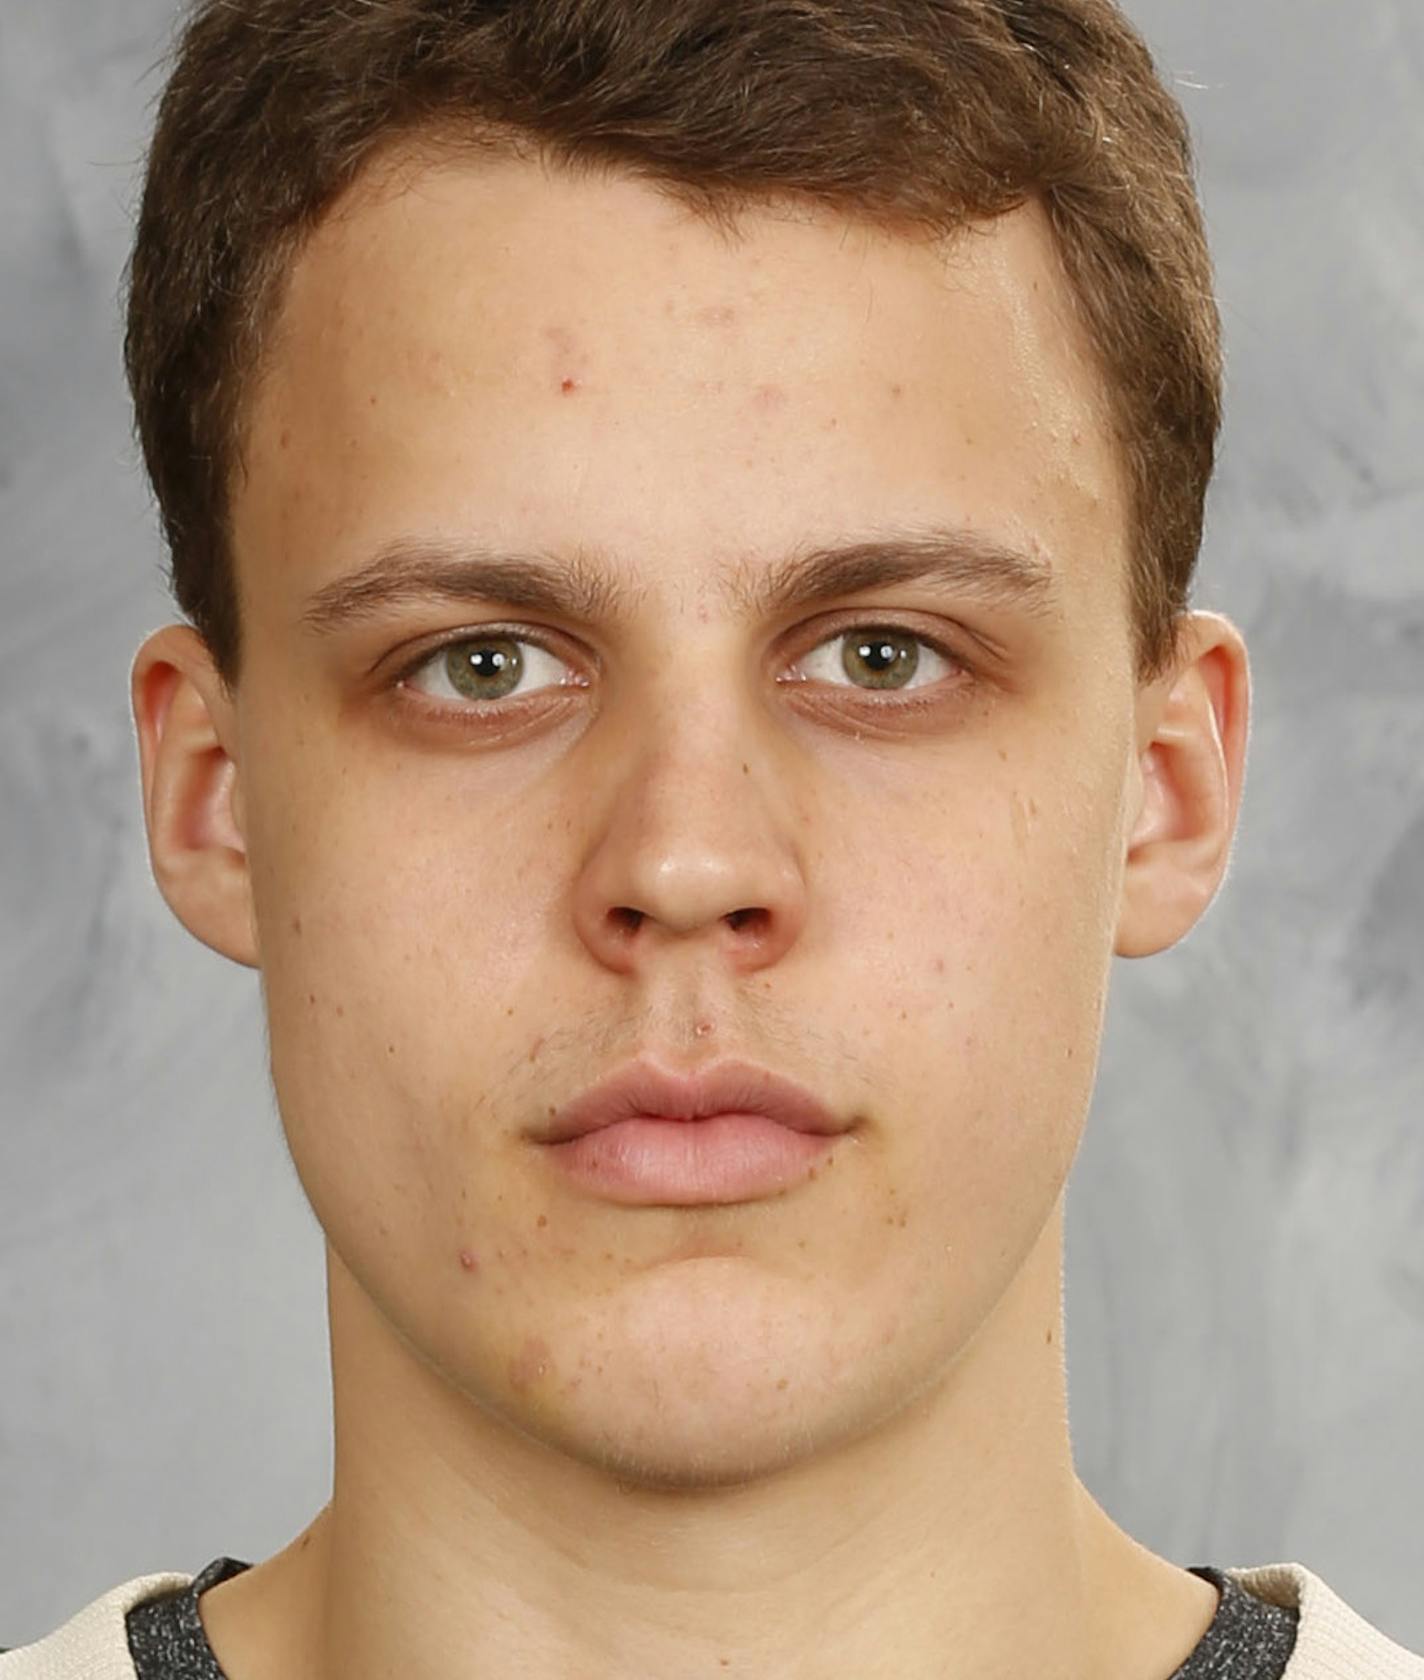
(532,1362)
(1022,813)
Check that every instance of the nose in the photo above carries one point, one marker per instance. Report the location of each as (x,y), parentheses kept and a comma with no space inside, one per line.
(693,847)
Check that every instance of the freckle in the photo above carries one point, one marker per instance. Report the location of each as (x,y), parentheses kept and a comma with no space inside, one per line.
(1003,756)
(297,925)
(897,390)
(543,1220)
(373,399)
(781,1384)
(746,769)
(939,965)
(467,1260)
(340,1011)
(390,1049)
(285,439)
(311,997)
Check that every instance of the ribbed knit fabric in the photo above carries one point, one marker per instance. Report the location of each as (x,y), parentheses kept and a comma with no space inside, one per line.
(1332,1642)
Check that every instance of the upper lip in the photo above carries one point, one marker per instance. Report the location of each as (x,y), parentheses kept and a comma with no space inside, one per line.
(640,1088)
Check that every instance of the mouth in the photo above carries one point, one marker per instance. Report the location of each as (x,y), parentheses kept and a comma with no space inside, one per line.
(731,1133)
(640,1089)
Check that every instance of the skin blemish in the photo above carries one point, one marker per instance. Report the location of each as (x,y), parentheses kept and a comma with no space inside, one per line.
(543,1220)
(536,1047)
(467,1260)
(716,315)
(531,1363)
(565,352)
(1019,821)
(297,926)
(768,398)
(897,390)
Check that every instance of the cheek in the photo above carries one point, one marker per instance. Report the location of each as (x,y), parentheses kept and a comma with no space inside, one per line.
(369,963)
(997,946)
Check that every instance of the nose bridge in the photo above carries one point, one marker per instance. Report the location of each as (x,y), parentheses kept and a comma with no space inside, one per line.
(692,833)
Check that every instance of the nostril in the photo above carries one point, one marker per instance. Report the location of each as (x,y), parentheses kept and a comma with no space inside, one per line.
(627,920)
(737,917)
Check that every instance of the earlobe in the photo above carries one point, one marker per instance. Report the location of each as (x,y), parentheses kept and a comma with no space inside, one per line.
(1193,767)
(191,794)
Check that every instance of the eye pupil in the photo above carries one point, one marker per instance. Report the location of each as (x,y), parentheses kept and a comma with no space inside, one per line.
(889,660)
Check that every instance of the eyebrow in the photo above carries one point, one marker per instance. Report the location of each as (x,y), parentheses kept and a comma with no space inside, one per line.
(962,563)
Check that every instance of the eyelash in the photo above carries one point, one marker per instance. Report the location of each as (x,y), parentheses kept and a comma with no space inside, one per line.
(474,709)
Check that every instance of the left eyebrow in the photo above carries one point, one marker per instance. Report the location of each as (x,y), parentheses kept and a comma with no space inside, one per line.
(962,563)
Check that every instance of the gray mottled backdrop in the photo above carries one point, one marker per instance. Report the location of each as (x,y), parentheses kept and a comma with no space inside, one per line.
(1246,1222)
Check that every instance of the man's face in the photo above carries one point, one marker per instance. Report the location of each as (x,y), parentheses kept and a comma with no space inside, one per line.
(491,355)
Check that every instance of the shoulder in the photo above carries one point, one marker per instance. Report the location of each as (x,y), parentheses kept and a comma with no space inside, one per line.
(93,1643)
(1332,1638)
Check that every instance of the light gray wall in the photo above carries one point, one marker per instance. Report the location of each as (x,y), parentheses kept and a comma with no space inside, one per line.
(1246,1223)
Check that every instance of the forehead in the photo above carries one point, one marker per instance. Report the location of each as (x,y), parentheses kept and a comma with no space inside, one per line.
(501,348)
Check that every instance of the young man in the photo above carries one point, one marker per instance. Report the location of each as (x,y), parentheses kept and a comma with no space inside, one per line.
(687,510)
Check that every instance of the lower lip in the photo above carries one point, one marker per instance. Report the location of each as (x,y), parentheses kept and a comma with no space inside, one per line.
(723,1158)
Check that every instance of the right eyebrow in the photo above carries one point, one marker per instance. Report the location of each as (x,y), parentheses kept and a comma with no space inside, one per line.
(960,563)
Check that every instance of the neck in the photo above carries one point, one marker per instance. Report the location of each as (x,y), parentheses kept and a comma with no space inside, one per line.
(949,1542)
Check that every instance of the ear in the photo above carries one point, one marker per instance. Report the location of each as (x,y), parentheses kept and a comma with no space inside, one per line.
(1191,735)
(192,798)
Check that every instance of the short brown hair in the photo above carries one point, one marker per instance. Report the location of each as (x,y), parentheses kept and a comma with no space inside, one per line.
(927,113)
